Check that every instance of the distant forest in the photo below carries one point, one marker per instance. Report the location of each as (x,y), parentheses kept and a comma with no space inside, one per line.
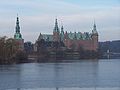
(113,46)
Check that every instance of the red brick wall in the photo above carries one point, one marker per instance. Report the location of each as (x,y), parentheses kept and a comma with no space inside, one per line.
(84,44)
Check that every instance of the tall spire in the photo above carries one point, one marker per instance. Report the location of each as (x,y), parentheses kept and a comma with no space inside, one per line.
(62,29)
(62,34)
(17,30)
(56,29)
(94,25)
(17,25)
(94,31)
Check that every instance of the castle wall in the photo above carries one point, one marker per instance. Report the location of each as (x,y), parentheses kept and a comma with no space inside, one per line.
(81,44)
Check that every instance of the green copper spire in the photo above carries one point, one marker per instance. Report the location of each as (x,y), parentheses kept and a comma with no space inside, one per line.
(62,30)
(56,29)
(17,30)
(62,33)
(94,31)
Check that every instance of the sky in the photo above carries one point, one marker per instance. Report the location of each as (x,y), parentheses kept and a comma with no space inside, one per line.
(38,16)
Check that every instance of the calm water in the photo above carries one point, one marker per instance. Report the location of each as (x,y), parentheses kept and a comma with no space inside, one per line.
(74,75)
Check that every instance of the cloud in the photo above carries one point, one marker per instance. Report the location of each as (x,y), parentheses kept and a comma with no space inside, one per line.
(38,16)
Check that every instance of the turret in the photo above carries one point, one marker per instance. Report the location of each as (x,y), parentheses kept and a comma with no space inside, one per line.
(94,31)
(18,36)
(62,29)
(62,34)
(56,28)
(56,32)
(95,37)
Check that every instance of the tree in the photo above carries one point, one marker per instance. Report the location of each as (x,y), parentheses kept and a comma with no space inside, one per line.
(8,49)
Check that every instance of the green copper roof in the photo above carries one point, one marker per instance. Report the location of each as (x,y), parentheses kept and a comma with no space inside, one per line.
(18,36)
(17,30)
(79,36)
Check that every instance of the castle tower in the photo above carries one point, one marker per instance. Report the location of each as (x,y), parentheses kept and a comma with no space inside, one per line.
(18,36)
(95,37)
(56,32)
(62,34)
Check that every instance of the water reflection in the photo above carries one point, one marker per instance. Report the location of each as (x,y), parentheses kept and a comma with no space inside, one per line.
(58,76)
(116,88)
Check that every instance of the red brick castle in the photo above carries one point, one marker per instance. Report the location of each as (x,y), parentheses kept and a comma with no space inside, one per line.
(74,41)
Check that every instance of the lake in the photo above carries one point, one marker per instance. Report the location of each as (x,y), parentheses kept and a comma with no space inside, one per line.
(103,74)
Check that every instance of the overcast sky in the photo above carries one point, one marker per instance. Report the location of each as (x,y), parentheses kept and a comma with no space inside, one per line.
(75,15)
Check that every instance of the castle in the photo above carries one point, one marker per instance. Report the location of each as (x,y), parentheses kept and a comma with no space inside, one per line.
(72,41)
(75,41)
(62,44)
